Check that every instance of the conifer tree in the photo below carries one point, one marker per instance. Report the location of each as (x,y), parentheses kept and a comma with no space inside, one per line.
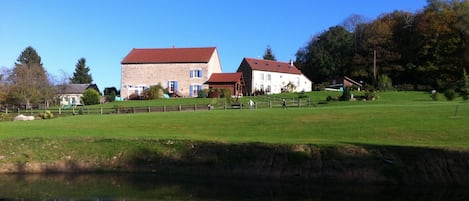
(268,55)
(81,74)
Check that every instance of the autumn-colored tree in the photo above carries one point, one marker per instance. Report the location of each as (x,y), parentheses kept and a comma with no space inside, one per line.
(440,44)
(3,85)
(29,83)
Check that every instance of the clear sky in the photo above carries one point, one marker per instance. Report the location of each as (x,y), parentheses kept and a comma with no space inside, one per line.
(104,31)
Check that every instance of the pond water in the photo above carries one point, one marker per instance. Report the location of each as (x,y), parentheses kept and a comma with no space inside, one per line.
(153,187)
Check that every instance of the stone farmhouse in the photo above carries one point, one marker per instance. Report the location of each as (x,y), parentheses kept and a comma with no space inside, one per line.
(271,77)
(182,71)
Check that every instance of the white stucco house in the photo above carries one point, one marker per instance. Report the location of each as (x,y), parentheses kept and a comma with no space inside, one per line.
(70,94)
(272,77)
(182,71)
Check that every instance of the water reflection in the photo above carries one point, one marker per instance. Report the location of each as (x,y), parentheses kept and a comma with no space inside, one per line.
(154,187)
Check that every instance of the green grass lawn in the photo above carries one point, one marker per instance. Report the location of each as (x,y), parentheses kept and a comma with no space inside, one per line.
(396,118)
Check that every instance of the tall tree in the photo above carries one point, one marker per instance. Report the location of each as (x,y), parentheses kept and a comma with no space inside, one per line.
(269,55)
(3,85)
(440,44)
(352,22)
(327,55)
(29,81)
(378,38)
(81,74)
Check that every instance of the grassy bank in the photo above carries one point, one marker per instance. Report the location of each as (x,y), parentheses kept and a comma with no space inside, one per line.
(151,141)
(383,122)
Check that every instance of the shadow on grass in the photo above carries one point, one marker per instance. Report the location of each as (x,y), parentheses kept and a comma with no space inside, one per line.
(348,163)
(353,163)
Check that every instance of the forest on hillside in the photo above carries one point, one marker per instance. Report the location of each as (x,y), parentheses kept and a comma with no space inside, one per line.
(428,49)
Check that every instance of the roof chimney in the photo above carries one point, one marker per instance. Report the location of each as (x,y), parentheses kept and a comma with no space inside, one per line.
(291,62)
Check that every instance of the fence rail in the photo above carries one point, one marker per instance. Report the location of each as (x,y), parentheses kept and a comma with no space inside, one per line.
(274,103)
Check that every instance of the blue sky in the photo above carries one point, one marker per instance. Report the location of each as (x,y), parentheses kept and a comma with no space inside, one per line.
(104,31)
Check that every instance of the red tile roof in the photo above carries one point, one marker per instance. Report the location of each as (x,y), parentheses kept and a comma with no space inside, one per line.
(169,55)
(272,66)
(225,77)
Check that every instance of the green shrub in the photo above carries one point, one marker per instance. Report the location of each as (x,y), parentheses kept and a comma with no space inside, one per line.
(201,94)
(227,95)
(346,95)
(371,95)
(46,115)
(90,97)
(450,94)
(385,83)
(154,92)
(111,97)
(6,117)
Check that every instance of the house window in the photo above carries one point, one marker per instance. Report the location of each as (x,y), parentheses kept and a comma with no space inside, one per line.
(172,86)
(194,89)
(269,77)
(261,76)
(195,73)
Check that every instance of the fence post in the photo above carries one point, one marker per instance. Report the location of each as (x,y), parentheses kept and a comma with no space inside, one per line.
(179,108)
(195,107)
(6,110)
(149,109)
(101,110)
(270,104)
(60,111)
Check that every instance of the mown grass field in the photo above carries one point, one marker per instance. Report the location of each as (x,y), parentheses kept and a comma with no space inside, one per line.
(396,118)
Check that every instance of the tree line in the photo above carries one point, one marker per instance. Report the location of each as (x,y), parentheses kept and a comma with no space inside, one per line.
(428,49)
(28,84)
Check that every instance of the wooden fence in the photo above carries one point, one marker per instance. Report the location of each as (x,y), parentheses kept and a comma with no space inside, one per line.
(82,110)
